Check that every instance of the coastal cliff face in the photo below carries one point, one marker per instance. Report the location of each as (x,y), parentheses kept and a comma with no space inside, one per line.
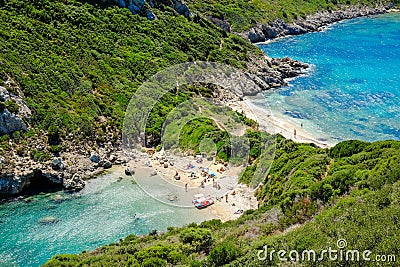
(30,167)
(33,162)
(311,23)
(14,112)
(143,7)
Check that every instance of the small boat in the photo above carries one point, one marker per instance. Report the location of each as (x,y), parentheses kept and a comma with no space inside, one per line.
(202,202)
(172,197)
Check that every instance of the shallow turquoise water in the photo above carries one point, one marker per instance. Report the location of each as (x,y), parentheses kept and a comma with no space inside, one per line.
(353,88)
(100,214)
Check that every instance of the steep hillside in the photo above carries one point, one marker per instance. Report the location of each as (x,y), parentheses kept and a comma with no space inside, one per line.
(75,61)
(69,68)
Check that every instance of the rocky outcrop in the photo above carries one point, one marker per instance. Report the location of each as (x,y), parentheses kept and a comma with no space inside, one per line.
(144,7)
(223,24)
(16,182)
(76,183)
(311,23)
(20,170)
(264,72)
(10,123)
(14,113)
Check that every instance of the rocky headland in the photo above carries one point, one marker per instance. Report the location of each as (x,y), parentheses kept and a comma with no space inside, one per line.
(25,167)
(316,22)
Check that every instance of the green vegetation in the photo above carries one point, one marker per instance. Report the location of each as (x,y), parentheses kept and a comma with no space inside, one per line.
(243,14)
(11,106)
(349,194)
(76,61)
(39,155)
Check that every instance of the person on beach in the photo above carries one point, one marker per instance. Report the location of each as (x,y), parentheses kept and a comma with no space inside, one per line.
(294,133)
(186,187)
(226,197)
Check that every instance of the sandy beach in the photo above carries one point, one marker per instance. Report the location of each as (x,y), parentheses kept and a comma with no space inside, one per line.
(273,124)
(230,198)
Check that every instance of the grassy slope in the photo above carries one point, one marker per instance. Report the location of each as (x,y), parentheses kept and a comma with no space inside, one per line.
(243,14)
(351,191)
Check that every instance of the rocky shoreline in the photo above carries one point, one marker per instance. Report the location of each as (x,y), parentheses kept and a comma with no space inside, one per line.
(316,22)
(32,163)
(21,174)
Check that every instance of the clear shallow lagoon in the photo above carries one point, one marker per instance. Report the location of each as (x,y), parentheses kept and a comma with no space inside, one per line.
(100,214)
(353,88)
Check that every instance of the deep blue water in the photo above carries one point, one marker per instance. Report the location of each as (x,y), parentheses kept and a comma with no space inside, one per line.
(352,90)
(101,214)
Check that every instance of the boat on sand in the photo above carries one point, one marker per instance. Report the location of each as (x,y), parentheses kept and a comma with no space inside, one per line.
(200,201)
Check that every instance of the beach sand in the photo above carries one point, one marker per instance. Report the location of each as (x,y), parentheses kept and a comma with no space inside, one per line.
(273,124)
(164,185)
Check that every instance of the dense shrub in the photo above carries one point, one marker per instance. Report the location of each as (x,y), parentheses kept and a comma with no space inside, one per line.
(347,148)
(199,238)
(223,253)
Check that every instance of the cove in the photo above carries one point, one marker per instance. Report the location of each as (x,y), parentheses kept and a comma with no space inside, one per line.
(352,90)
(37,228)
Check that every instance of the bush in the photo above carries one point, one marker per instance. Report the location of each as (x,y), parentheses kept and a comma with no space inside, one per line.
(154,262)
(12,106)
(223,253)
(39,155)
(347,148)
(200,238)
(55,149)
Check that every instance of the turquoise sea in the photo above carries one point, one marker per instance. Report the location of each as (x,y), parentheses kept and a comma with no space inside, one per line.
(102,213)
(352,90)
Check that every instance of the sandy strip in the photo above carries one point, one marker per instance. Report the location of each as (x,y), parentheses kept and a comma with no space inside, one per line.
(273,124)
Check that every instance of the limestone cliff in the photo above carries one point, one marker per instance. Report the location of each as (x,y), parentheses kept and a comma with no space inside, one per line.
(14,112)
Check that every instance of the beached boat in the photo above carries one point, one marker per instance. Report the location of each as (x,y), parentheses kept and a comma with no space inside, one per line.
(200,201)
